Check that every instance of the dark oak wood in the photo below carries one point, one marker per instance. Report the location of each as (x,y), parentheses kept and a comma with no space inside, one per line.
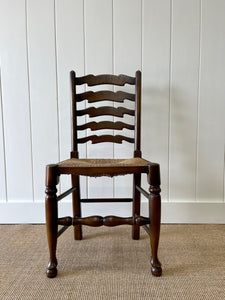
(105,110)
(96,221)
(151,169)
(141,190)
(137,153)
(95,139)
(74,115)
(51,208)
(92,97)
(90,200)
(155,216)
(91,80)
(105,125)
(137,146)
(68,192)
(103,171)
(76,206)
(146,228)
(136,205)
(61,230)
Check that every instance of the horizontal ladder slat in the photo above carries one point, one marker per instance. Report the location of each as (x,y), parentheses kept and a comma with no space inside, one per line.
(92,97)
(106,200)
(105,110)
(96,221)
(95,139)
(91,80)
(105,125)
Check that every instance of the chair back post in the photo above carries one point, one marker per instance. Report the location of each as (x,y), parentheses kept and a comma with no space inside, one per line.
(137,145)
(74,152)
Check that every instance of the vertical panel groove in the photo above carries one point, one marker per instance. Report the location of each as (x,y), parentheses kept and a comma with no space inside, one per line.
(57,88)
(198,100)
(210,186)
(3,138)
(224,176)
(141,37)
(56,79)
(28,86)
(169,112)
(22,59)
(98,21)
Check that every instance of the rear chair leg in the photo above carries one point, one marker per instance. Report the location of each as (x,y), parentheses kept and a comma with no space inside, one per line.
(154,215)
(136,205)
(76,206)
(51,208)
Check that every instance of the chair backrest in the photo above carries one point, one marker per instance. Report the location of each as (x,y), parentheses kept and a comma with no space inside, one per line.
(120,111)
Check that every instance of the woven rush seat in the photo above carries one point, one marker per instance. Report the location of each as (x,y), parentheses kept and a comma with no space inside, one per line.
(103,167)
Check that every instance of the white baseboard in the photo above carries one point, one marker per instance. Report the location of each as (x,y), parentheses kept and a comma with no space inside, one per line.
(172,212)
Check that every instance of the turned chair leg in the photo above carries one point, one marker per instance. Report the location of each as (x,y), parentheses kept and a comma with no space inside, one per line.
(154,215)
(136,205)
(76,206)
(51,207)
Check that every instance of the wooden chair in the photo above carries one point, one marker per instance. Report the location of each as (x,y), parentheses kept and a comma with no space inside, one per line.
(104,167)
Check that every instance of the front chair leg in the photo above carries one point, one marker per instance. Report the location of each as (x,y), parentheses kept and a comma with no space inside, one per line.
(51,207)
(154,215)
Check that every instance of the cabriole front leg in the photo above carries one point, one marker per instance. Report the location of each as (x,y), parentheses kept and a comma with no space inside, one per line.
(51,208)
(155,216)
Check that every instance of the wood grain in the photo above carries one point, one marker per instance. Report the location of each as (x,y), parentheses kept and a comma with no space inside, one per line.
(105,110)
(92,97)
(96,221)
(105,125)
(105,79)
(95,139)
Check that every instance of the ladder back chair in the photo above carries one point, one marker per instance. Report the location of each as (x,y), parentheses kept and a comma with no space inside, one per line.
(104,167)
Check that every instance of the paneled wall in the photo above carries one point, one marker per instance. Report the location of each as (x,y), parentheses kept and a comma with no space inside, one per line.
(178,45)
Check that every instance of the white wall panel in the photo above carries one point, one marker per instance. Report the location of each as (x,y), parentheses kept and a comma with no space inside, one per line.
(211,131)
(70,56)
(178,44)
(3,192)
(185,33)
(155,92)
(127,60)
(98,60)
(43,89)
(15,100)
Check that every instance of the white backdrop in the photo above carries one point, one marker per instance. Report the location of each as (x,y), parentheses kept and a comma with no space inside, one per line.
(179,45)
